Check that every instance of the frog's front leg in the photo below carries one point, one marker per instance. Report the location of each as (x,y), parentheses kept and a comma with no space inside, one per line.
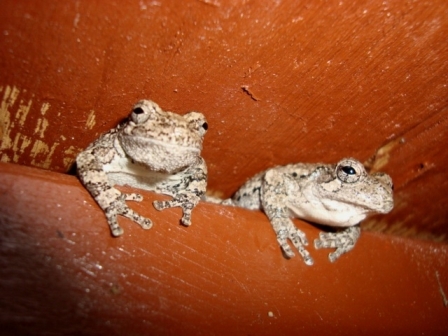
(188,192)
(343,241)
(274,200)
(187,201)
(110,199)
(116,205)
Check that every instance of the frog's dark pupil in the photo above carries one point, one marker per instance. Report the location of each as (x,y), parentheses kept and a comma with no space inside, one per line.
(349,170)
(205,126)
(138,110)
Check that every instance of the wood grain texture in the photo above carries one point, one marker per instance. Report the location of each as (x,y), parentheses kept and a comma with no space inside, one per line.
(279,81)
(62,272)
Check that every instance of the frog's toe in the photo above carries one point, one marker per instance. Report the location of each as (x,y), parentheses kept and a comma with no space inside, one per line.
(323,242)
(298,236)
(287,250)
(133,197)
(116,230)
(145,223)
(318,244)
(303,252)
(308,260)
(285,246)
(161,205)
(334,255)
(186,219)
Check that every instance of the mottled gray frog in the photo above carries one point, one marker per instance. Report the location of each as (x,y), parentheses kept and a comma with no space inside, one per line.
(338,195)
(153,150)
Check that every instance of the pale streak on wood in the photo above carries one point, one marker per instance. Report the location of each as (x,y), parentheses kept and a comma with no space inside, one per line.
(91,120)
(41,126)
(381,158)
(39,148)
(42,123)
(18,150)
(442,292)
(20,141)
(10,95)
(5,117)
(22,112)
(70,155)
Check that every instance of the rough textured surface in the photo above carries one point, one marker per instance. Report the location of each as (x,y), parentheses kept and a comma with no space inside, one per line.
(62,272)
(337,195)
(279,82)
(153,150)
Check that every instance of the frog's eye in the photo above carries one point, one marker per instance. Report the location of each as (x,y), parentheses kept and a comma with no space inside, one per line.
(202,126)
(143,110)
(350,170)
(197,122)
(139,115)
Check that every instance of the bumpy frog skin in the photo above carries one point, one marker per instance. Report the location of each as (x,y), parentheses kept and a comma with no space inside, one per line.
(153,150)
(338,195)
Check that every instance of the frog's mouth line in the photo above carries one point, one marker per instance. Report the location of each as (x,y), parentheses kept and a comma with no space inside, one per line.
(151,141)
(372,212)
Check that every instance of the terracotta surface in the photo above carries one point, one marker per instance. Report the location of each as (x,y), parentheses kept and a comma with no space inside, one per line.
(62,272)
(279,81)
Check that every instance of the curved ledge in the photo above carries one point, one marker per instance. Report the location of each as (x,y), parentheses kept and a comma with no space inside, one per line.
(62,272)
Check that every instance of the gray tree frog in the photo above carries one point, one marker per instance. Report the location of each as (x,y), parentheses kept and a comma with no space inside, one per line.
(338,195)
(153,150)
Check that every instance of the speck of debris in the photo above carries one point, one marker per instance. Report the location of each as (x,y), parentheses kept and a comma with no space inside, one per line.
(245,89)
(270,314)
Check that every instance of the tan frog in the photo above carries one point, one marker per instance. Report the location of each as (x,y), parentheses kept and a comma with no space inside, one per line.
(337,195)
(153,150)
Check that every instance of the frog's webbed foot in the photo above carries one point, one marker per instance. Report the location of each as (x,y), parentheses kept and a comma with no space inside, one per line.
(343,241)
(285,230)
(119,207)
(186,201)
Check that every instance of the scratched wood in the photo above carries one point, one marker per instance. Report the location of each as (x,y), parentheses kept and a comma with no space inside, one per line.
(279,82)
(62,272)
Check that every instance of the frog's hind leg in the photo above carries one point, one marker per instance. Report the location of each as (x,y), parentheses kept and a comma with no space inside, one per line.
(343,241)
